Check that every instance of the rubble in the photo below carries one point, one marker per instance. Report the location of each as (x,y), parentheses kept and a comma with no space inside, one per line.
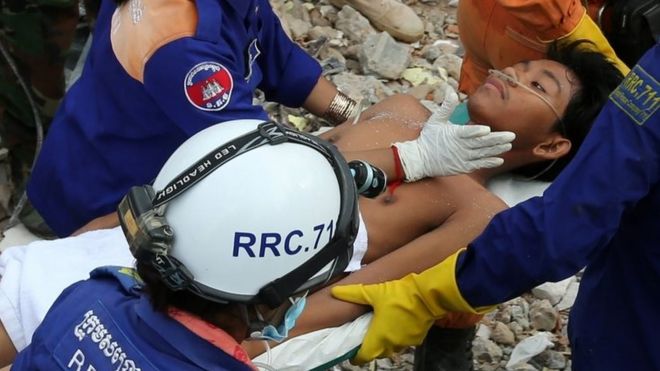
(543,315)
(553,291)
(502,334)
(384,57)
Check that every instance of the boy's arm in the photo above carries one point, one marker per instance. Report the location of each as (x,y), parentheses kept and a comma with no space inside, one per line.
(102,222)
(457,231)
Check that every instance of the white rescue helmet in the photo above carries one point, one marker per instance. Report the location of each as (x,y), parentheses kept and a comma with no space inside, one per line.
(246,211)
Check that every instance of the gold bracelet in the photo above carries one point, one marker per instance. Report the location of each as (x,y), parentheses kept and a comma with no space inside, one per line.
(340,109)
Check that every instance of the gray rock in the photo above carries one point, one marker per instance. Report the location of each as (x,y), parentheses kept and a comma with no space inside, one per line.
(447,46)
(436,18)
(486,350)
(453,83)
(347,366)
(451,62)
(551,359)
(552,291)
(516,328)
(361,87)
(353,24)
(488,367)
(353,65)
(298,27)
(317,19)
(542,315)
(519,312)
(421,62)
(328,12)
(451,19)
(502,334)
(523,367)
(432,52)
(483,331)
(333,66)
(326,32)
(421,91)
(352,51)
(439,97)
(395,86)
(569,297)
(334,55)
(297,9)
(503,314)
(384,57)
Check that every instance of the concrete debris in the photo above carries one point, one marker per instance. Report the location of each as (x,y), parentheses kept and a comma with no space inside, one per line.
(543,315)
(552,291)
(384,57)
(353,24)
(502,334)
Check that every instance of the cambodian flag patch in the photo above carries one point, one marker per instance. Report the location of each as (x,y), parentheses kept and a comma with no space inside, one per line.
(208,86)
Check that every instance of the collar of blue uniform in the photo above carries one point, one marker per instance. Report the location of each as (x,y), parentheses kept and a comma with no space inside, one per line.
(128,278)
(196,350)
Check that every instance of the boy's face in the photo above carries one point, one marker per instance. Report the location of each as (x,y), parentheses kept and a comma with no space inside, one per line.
(506,106)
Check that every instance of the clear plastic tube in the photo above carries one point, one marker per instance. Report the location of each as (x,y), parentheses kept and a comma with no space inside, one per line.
(513,81)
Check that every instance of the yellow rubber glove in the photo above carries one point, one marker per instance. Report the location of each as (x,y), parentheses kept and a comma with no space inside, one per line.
(405,309)
(587,29)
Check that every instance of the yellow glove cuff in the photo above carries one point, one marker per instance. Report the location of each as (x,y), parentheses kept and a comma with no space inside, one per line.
(587,29)
(439,289)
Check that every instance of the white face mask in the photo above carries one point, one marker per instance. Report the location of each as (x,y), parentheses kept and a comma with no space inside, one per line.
(279,333)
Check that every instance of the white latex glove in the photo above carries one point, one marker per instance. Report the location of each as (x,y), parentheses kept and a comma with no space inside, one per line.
(443,148)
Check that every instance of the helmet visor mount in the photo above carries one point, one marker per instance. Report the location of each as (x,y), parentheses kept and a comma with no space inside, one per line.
(150,238)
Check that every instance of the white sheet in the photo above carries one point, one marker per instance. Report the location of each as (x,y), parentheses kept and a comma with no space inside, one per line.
(514,190)
(315,349)
(34,275)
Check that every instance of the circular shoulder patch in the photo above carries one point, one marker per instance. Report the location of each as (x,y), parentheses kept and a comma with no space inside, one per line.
(208,86)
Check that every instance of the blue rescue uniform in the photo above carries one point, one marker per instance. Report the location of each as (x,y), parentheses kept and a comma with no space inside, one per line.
(157,73)
(602,212)
(105,323)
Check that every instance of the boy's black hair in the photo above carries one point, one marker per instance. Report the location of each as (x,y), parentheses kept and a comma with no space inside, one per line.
(598,77)
(162,297)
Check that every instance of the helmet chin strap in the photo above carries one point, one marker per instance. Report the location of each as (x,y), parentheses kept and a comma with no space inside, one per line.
(251,318)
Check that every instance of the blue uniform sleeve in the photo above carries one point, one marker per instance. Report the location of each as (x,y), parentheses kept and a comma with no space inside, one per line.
(289,73)
(552,237)
(197,85)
